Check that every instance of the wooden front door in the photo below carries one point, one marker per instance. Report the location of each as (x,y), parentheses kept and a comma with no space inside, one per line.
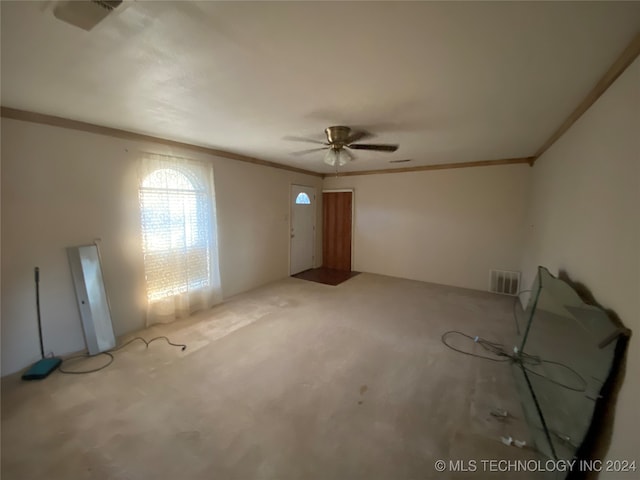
(336,237)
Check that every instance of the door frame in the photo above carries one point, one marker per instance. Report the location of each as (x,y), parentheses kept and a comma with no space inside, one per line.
(353,216)
(314,260)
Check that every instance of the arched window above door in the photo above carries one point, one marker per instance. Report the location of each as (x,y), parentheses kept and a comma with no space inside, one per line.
(303,199)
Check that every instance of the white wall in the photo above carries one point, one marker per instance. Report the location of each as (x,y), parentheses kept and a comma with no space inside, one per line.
(443,226)
(585,219)
(64,187)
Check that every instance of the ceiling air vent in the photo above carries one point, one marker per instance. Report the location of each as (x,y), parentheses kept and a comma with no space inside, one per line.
(85,14)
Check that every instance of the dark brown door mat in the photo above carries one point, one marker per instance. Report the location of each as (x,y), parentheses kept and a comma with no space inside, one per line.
(328,276)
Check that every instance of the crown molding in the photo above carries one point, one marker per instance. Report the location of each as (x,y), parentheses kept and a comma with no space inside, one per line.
(441,166)
(626,58)
(33,117)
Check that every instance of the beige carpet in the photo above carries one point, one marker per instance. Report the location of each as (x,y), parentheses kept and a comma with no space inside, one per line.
(295,380)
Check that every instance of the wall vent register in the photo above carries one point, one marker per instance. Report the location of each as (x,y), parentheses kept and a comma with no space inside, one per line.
(87,14)
(504,282)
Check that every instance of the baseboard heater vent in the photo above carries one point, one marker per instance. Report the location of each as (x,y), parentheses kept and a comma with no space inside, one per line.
(504,282)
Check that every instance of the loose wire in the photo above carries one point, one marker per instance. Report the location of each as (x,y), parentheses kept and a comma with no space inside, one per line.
(109,354)
(483,343)
(583,388)
(147,343)
(521,358)
(81,372)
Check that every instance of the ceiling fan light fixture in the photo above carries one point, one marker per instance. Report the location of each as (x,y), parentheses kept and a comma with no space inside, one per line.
(330,157)
(336,157)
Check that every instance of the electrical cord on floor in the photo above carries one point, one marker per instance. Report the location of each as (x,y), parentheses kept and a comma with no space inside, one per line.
(109,354)
(82,372)
(147,343)
(521,358)
(583,388)
(495,348)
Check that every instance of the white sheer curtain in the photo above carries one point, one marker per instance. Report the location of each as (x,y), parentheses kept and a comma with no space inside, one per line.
(179,237)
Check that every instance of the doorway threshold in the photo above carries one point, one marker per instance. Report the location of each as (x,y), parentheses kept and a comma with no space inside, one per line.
(327,276)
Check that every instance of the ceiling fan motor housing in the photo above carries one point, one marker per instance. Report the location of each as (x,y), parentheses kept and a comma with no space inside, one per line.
(337,136)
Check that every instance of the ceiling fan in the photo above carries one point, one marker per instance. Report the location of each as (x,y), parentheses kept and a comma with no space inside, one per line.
(340,141)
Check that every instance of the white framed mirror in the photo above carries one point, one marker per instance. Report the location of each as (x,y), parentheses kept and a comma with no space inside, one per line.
(91,294)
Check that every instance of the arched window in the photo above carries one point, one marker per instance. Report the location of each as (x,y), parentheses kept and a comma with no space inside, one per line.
(303,199)
(176,222)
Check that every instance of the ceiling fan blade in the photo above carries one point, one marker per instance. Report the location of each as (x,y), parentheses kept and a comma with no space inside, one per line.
(303,139)
(379,147)
(311,150)
(358,135)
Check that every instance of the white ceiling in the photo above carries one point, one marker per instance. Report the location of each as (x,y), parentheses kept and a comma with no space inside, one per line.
(449,82)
